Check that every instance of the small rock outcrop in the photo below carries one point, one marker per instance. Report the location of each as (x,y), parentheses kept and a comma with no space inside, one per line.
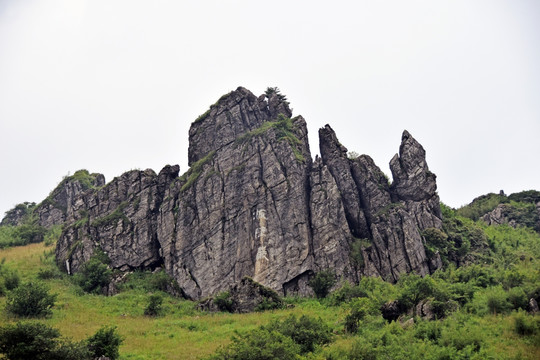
(253,204)
(18,215)
(244,297)
(57,208)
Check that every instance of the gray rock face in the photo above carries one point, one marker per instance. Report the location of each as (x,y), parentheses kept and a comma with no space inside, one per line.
(61,203)
(254,204)
(242,210)
(390,218)
(120,219)
(334,155)
(18,215)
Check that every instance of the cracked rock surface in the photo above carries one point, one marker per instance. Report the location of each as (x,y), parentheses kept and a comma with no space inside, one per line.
(255,204)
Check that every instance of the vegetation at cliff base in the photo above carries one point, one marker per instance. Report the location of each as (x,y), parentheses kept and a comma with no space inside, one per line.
(481,305)
(477,310)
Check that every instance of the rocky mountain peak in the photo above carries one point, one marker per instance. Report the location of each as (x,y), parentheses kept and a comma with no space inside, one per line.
(232,115)
(254,204)
(412,178)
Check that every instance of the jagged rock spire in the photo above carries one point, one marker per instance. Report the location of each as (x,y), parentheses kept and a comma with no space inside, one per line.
(254,204)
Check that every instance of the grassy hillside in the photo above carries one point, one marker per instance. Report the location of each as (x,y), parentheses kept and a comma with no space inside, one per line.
(480,306)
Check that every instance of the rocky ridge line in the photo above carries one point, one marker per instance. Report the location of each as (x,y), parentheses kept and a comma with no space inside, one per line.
(254,204)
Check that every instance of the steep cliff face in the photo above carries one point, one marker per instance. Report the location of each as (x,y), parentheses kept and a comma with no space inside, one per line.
(61,204)
(391,217)
(253,203)
(120,219)
(242,209)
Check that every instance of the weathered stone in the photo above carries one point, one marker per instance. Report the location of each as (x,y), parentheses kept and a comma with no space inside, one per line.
(331,235)
(254,204)
(499,216)
(18,215)
(406,324)
(334,156)
(244,297)
(391,310)
(64,200)
(533,306)
(425,310)
(120,219)
(256,221)
(412,178)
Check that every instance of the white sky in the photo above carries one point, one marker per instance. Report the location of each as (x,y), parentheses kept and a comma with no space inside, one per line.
(111,86)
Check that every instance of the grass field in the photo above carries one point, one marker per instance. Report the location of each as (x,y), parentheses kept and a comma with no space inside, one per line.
(183,332)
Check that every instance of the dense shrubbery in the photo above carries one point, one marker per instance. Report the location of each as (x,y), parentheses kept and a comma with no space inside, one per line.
(481,205)
(30,299)
(150,281)
(32,340)
(94,274)
(322,282)
(105,342)
(285,339)
(520,208)
(224,301)
(153,308)
(24,234)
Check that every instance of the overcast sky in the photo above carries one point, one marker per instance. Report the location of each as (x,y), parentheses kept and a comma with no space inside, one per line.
(111,86)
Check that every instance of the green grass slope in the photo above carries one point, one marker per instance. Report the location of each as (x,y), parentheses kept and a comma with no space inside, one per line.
(481,307)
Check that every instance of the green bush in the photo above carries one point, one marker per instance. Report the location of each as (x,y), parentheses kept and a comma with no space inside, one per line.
(149,281)
(30,300)
(287,339)
(525,324)
(518,298)
(49,273)
(154,305)
(415,288)
(94,274)
(224,301)
(363,350)
(346,293)
(360,308)
(105,342)
(52,235)
(322,283)
(427,330)
(462,337)
(259,344)
(493,300)
(28,340)
(305,331)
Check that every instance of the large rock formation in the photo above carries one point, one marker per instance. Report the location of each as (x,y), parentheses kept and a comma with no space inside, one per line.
(253,203)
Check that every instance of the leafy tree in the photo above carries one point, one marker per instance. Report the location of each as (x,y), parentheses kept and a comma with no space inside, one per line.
(415,288)
(30,300)
(105,342)
(322,283)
